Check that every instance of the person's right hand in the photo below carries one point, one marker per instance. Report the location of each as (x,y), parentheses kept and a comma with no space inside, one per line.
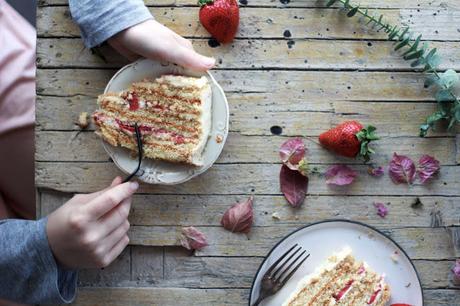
(89,231)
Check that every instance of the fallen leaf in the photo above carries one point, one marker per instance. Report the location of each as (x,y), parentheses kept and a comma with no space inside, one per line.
(376,171)
(456,273)
(238,218)
(428,166)
(402,169)
(292,152)
(293,185)
(382,210)
(340,175)
(192,239)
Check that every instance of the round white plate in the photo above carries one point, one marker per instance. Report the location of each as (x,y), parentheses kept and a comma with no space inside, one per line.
(161,172)
(367,244)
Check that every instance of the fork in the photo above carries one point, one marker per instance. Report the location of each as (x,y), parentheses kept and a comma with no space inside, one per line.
(273,282)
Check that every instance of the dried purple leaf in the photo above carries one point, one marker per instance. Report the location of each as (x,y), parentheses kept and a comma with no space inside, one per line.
(192,239)
(456,273)
(375,171)
(382,210)
(428,166)
(293,185)
(238,218)
(292,152)
(402,169)
(340,175)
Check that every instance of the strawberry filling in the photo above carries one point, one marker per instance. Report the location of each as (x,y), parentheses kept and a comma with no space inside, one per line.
(133,101)
(178,139)
(344,290)
(374,296)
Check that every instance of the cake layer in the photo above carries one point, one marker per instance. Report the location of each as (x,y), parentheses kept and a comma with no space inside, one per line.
(341,281)
(173,114)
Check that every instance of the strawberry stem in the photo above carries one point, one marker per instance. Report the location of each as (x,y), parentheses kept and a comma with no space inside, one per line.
(204,2)
(365,136)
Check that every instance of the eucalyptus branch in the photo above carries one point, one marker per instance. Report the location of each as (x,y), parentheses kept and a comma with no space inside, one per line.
(420,55)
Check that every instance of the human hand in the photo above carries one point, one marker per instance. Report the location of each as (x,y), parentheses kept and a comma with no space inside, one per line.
(153,40)
(89,231)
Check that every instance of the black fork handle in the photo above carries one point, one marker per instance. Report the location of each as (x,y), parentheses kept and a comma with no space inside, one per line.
(257,302)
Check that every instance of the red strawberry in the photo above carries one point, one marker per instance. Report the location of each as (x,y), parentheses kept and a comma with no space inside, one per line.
(220,18)
(349,139)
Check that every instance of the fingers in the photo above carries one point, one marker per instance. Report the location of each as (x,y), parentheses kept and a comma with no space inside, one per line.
(103,203)
(88,197)
(116,235)
(188,58)
(117,249)
(116,217)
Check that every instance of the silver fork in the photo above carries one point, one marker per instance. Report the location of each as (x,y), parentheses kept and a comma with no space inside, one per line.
(273,282)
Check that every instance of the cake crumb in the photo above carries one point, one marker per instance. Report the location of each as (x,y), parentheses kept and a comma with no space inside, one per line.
(219,138)
(394,257)
(276,216)
(83,121)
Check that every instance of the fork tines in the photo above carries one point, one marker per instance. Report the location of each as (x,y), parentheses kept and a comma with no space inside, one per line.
(293,261)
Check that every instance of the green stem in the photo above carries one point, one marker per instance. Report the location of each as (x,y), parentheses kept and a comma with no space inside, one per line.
(398,37)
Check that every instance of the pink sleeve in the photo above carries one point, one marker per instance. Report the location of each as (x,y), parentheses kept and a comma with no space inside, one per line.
(17,70)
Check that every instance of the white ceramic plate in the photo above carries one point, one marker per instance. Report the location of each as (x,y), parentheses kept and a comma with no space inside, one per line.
(160,172)
(368,244)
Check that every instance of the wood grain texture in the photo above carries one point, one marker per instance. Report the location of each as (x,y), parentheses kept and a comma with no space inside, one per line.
(247,179)
(183,296)
(258,54)
(248,115)
(432,23)
(172,210)
(294,3)
(86,146)
(182,269)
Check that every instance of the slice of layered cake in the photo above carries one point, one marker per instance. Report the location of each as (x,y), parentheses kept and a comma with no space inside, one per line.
(341,281)
(173,114)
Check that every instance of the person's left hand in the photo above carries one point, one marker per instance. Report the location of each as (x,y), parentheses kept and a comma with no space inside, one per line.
(153,40)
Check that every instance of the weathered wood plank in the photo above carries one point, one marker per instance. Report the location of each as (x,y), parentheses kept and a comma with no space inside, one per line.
(257,54)
(294,3)
(172,210)
(86,146)
(249,115)
(117,273)
(182,296)
(433,23)
(184,270)
(160,296)
(419,243)
(244,179)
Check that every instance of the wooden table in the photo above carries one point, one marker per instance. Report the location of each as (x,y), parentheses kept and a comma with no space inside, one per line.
(294,65)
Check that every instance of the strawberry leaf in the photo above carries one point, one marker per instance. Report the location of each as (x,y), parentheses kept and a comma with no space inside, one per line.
(365,136)
(293,185)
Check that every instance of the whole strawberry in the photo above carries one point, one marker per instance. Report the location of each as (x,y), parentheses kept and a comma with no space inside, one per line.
(220,18)
(349,139)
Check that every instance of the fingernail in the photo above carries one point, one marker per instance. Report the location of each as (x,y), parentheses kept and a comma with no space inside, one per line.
(209,61)
(134,185)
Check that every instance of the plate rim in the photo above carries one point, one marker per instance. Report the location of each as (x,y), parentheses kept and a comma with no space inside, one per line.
(332,221)
(225,134)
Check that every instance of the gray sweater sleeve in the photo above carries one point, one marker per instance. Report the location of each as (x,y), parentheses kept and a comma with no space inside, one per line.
(28,271)
(101,19)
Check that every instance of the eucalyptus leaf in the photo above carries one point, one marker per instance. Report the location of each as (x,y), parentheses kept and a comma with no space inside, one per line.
(353,11)
(401,44)
(346,3)
(448,78)
(414,55)
(418,62)
(430,80)
(380,19)
(430,54)
(434,61)
(393,33)
(401,37)
(331,2)
(444,95)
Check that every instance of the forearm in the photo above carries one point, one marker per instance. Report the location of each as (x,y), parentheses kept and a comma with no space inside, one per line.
(101,19)
(28,270)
